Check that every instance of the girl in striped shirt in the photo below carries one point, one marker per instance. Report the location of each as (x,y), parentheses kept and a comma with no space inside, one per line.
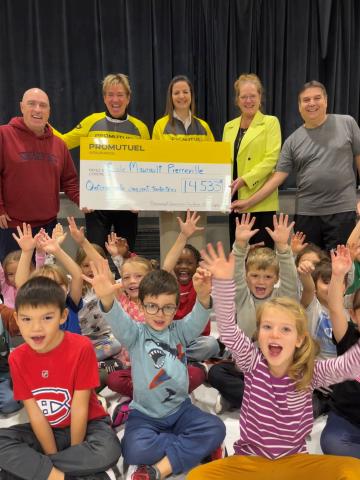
(280,376)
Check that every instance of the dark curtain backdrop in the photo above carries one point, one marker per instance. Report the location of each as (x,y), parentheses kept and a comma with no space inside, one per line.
(67,46)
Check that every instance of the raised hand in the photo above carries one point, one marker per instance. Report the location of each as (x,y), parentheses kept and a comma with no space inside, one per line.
(340,261)
(297,242)
(111,244)
(117,245)
(58,233)
(189,227)
(48,244)
(281,232)
(305,268)
(202,284)
(219,266)
(244,229)
(25,239)
(101,282)
(78,234)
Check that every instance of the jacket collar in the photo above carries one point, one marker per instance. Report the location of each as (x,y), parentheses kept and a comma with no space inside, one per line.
(254,129)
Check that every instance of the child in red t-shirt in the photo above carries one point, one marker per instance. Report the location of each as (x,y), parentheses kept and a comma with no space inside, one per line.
(182,260)
(54,374)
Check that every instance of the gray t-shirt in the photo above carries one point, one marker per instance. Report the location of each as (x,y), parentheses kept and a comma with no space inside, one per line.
(323,161)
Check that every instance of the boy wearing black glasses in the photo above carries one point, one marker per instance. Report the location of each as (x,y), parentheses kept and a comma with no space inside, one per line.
(165,433)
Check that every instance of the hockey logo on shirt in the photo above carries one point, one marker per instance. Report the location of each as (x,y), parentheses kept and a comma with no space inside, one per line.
(54,403)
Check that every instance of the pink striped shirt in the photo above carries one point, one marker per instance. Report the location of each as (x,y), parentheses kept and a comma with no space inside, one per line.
(274,417)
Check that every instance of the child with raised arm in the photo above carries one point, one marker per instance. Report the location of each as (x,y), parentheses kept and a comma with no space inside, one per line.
(92,322)
(341,435)
(54,374)
(280,375)
(164,433)
(133,270)
(72,291)
(257,272)
(182,260)
(315,298)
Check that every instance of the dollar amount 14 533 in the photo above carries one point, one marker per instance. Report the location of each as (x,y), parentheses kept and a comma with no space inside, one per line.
(189,185)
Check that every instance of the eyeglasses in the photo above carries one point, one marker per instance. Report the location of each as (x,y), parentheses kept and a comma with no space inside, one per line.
(243,98)
(167,310)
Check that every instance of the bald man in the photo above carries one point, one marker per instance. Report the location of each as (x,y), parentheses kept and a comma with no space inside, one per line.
(35,166)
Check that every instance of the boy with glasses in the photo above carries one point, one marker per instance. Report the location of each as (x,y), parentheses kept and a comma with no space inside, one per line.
(164,433)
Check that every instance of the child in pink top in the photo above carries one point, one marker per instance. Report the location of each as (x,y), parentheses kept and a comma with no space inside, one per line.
(280,376)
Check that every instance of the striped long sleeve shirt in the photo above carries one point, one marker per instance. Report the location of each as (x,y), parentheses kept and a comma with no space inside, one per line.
(275,418)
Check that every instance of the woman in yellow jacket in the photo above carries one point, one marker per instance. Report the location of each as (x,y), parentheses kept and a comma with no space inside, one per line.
(256,143)
(179,124)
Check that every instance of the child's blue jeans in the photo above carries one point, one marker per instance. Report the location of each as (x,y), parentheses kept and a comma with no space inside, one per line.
(340,437)
(185,437)
(7,402)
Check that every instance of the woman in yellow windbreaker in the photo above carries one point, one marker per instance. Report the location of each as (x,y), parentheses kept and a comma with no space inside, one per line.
(179,124)
(115,122)
(256,142)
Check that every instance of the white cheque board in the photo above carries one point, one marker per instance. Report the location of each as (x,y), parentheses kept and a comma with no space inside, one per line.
(154,175)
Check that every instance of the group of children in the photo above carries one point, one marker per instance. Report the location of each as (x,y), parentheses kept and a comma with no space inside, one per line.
(288,351)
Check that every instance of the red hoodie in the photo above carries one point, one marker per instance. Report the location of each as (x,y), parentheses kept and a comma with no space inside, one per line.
(33,170)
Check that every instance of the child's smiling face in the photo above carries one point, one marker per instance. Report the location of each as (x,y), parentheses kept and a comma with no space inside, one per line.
(131,275)
(260,281)
(162,309)
(278,338)
(185,267)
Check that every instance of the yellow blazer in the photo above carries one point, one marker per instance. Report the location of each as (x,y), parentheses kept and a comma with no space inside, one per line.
(257,157)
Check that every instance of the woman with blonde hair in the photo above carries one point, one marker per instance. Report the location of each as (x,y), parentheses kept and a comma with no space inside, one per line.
(255,139)
(115,119)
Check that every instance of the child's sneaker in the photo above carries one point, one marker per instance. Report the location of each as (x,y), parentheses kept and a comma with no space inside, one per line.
(142,472)
(111,474)
(120,414)
(217,454)
(108,475)
(103,402)
(110,365)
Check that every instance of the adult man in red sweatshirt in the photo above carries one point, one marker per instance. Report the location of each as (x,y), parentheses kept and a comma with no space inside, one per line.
(35,166)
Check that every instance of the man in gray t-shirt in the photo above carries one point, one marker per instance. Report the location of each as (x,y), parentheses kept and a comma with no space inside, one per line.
(324,154)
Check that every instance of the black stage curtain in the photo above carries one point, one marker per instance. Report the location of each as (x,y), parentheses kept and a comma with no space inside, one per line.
(67,46)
